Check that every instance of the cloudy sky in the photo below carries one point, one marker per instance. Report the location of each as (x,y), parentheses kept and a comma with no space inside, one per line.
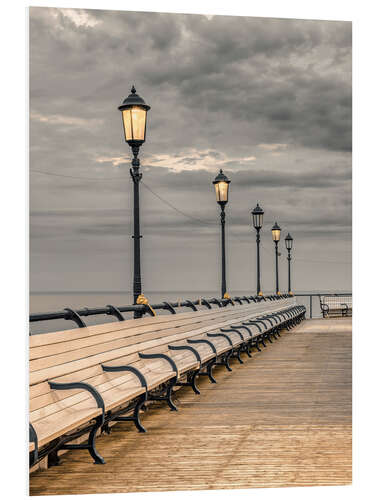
(266,100)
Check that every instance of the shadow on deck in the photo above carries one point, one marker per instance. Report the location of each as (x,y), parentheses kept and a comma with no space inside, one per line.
(283,418)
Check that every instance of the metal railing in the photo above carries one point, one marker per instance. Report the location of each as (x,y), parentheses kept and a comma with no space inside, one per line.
(76,315)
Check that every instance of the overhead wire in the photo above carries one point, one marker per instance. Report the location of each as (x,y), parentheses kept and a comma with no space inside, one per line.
(181,212)
(76,177)
(170,205)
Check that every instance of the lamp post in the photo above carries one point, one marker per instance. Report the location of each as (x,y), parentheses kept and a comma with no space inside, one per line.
(257,214)
(276,230)
(221,184)
(134,117)
(289,245)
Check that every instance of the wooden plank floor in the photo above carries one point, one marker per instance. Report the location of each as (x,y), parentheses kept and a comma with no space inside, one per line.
(283,418)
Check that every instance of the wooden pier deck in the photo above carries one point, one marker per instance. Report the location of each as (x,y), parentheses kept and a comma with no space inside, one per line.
(283,418)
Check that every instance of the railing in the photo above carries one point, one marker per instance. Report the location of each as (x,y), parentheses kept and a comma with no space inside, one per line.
(76,315)
(317,296)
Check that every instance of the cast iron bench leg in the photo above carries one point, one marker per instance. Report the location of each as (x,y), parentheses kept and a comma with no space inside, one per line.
(257,345)
(90,445)
(135,417)
(238,355)
(191,381)
(248,349)
(208,371)
(98,459)
(168,395)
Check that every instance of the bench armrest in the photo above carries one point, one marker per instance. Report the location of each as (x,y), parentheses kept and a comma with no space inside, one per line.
(169,307)
(80,385)
(288,313)
(127,368)
(279,317)
(221,335)
(160,356)
(232,330)
(255,323)
(267,318)
(114,311)
(190,304)
(262,323)
(242,326)
(203,341)
(205,302)
(186,347)
(283,315)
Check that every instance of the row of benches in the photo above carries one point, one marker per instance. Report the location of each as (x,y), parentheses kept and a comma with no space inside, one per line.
(83,379)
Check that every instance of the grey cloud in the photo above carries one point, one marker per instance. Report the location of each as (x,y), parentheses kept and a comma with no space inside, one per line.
(217,88)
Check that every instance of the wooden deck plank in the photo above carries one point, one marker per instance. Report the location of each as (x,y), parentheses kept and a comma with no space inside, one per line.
(281,419)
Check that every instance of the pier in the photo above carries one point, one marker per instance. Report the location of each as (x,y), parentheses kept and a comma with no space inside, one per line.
(189,270)
(283,418)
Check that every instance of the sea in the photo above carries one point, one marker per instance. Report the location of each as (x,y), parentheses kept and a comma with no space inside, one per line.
(41,302)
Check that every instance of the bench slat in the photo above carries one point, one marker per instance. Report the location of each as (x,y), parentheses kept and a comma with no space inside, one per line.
(75,365)
(122,330)
(76,333)
(41,363)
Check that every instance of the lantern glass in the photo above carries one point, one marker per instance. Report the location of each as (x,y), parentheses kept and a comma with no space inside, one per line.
(257,220)
(288,242)
(221,190)
(276,234)
(134,120)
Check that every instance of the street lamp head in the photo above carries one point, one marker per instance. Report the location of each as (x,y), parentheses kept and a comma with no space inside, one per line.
(288,242)
(221,184)
(134,117)
(276,230)
(257,214)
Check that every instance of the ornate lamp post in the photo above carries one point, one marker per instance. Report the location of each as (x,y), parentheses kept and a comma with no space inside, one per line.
(276,230)
(134,117)
(257,214)
(289,245)
(221,184)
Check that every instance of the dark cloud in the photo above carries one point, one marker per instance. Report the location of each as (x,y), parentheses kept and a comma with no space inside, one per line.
(267,100)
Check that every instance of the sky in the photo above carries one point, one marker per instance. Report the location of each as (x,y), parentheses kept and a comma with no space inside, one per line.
(267,100)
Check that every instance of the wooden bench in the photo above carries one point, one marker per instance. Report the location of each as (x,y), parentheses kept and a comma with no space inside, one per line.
(82,379)
(333,306)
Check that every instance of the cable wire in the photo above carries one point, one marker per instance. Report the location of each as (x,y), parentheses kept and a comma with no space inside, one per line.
(181,212)
(76,177)
(191,217)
